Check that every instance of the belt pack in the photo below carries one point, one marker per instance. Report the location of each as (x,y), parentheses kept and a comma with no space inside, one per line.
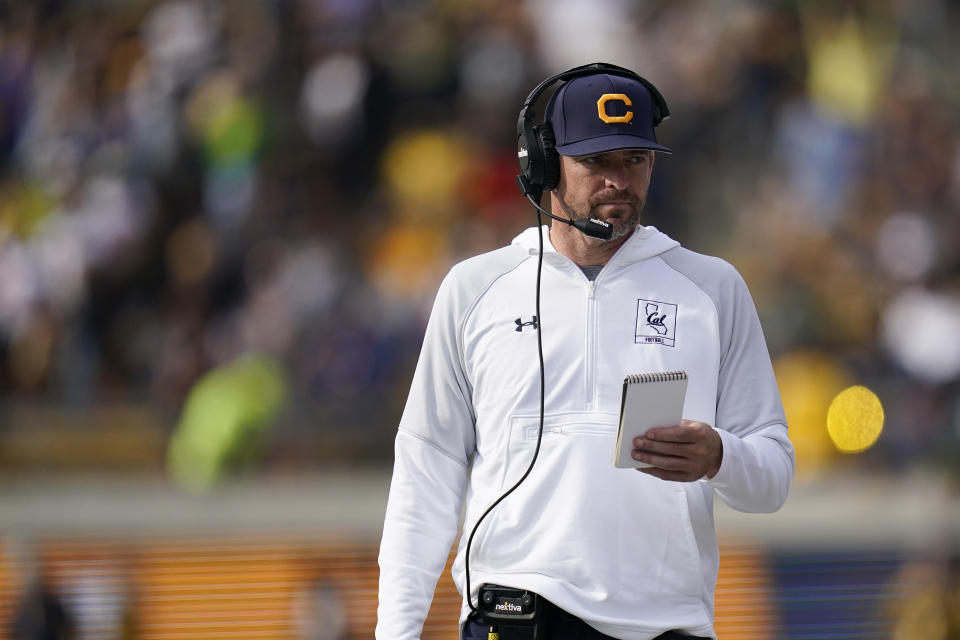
(513,614)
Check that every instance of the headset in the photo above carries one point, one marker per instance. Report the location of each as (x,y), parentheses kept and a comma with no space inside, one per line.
(539,172)
(536,144)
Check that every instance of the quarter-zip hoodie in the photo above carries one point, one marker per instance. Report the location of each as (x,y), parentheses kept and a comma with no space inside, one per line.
(628,553)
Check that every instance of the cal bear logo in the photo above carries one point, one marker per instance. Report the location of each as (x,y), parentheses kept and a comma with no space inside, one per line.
(656,323)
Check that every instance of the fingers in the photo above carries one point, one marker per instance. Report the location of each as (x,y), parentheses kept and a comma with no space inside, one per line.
(693,448)
(664,456)
(685,452)
(685,461)
(686,431)
(671,461)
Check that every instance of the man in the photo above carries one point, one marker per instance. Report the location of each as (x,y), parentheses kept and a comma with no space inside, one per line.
(609,552)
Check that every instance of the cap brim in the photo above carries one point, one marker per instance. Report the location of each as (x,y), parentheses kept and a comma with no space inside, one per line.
(604,144)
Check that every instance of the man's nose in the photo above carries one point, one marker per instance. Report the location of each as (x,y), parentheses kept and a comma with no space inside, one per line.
(617,176)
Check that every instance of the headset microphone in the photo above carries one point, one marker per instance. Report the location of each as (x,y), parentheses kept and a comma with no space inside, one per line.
(593,227)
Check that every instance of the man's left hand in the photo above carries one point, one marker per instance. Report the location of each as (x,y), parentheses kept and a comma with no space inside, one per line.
(684,453)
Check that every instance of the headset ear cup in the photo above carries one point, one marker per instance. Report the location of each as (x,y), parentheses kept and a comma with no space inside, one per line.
(551,159)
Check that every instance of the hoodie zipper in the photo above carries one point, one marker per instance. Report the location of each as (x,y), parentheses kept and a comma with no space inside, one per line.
(590,337)
(590,356)
(592,330)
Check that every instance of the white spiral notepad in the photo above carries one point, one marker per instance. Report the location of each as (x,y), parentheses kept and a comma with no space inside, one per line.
(649,400)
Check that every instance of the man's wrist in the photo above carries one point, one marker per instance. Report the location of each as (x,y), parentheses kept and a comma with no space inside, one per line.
(719,458)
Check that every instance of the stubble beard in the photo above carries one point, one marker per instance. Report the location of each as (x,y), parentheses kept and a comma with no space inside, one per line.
(621,228)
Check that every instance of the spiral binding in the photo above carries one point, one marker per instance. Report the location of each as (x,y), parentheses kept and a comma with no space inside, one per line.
(655,377)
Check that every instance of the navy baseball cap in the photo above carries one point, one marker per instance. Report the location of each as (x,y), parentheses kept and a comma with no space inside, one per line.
(602,112)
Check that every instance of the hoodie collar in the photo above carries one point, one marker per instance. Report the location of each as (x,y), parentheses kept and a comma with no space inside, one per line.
(643,243)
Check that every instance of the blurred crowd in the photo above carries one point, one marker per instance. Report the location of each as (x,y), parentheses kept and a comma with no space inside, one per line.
(188,183)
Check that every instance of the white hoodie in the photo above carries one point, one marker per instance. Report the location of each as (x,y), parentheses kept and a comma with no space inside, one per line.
(628,553)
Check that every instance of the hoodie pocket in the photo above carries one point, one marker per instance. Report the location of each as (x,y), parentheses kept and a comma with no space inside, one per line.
(558,429)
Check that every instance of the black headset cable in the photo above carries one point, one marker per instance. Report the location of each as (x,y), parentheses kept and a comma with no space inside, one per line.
(536,452)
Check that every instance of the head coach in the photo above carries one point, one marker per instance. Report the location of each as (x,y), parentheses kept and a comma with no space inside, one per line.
(513,410)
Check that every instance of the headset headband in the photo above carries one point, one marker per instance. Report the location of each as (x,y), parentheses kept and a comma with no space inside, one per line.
(660,110)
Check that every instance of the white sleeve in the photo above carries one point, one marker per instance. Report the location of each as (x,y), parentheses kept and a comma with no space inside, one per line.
(433,448)
(418,531)
(758,458)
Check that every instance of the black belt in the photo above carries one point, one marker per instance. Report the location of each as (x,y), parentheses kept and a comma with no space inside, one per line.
(557,617)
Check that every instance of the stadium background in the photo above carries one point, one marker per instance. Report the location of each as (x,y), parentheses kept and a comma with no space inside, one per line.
(222,223)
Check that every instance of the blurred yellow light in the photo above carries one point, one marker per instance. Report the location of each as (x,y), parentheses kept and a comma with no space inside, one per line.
(855,419)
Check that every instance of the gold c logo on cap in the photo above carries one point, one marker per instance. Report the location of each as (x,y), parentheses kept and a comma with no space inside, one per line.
(602,107)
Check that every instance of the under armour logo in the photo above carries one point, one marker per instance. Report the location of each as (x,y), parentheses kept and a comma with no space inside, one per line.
(521,324)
